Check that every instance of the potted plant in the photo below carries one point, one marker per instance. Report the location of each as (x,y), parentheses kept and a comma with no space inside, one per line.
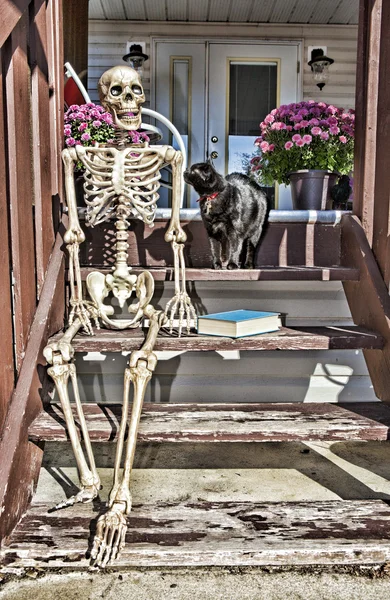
(89,125)
(308,145)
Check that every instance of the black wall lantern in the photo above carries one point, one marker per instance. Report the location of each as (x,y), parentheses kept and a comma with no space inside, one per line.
(319,64)
(136,58)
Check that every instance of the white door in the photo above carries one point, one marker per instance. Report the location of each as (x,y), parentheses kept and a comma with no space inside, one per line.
(217,93)
(246,81)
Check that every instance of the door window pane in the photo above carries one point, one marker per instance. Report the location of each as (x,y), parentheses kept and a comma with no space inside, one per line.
(253,94)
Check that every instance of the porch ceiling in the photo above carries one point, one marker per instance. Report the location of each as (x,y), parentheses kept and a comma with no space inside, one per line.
(333,12)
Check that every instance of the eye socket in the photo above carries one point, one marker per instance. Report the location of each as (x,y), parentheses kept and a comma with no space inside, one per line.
(137,90)
(116,90)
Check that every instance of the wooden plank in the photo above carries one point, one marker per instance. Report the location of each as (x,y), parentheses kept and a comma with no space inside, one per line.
(21,460)
(17,74)
(263,274)
(368,301)
(287,338)
(75,19)
(7,365)
(55,61)
(366,111)
(44,234)
(223,423)
(211,534)
(381,226)
(11,12)
(284,244)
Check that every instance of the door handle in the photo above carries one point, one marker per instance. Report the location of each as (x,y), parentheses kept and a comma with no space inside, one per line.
(214,154)
(214,139)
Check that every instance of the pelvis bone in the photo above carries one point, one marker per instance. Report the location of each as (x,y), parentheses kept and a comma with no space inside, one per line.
(99,286)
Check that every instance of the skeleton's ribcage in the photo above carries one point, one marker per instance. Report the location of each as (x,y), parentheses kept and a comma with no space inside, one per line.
(129,176)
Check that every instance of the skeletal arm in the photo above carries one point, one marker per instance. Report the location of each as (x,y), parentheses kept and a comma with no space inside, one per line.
(73,237)
(175,234)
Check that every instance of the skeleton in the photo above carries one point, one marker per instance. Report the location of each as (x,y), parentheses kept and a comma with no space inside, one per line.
(120,180)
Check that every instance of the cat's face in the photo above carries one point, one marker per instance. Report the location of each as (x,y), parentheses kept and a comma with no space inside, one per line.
(203,177)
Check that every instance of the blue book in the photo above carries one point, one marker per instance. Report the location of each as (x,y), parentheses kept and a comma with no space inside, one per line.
(239,323)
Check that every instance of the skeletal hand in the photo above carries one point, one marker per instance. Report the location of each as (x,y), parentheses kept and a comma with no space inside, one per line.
(110,535)
(180,304)
(84,310)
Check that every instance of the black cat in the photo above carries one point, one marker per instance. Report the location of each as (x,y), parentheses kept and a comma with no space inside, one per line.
(233,210)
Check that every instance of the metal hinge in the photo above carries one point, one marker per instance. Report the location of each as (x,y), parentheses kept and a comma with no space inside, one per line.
(298,66)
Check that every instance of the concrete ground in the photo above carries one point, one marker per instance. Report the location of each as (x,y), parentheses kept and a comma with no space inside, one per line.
(257,472)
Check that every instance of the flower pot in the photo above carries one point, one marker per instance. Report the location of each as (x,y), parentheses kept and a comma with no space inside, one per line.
(310,189)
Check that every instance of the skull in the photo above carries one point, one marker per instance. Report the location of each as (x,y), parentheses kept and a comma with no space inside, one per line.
(121,92)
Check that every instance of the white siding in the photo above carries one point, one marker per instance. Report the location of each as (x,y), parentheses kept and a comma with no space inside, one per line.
(108,39)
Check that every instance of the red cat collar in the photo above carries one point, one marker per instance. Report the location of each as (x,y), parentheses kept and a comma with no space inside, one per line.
(211,197)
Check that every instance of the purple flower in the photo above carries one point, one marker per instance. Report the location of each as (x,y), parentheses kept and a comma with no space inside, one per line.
(332,121)
(316,130)
(324,135)
(314,122)
(70,141)
(307,139)
(334,130)
(288,145)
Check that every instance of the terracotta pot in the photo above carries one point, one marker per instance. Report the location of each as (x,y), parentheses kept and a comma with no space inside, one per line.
(310,189)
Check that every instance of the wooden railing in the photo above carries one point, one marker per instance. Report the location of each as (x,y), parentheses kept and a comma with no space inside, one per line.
(31,298)
(31,101)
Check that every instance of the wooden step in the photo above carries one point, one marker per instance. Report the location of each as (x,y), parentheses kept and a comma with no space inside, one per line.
(226,422)
(296,273)
(210,534)
(287,338)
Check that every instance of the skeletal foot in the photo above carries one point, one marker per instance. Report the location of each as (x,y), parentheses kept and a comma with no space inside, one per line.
(110,535)
(85,495)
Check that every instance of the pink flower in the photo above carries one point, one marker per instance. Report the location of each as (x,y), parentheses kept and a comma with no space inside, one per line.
(70,141)
(271,148)
(334,130)
(298,126)
(269,119)
(304,123)
(300,143)
(82,126)
(296,138)
(278,125)
(314,122)
(258,141)
(343,139)
(85,137)
(264,146)
(97,123)
(307,139)
(324,135)
(316,130)
(67,130)
(289,127)
(288,145)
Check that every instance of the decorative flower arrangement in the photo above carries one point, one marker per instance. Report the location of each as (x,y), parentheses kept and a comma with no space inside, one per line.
(305,135)
(89,124)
